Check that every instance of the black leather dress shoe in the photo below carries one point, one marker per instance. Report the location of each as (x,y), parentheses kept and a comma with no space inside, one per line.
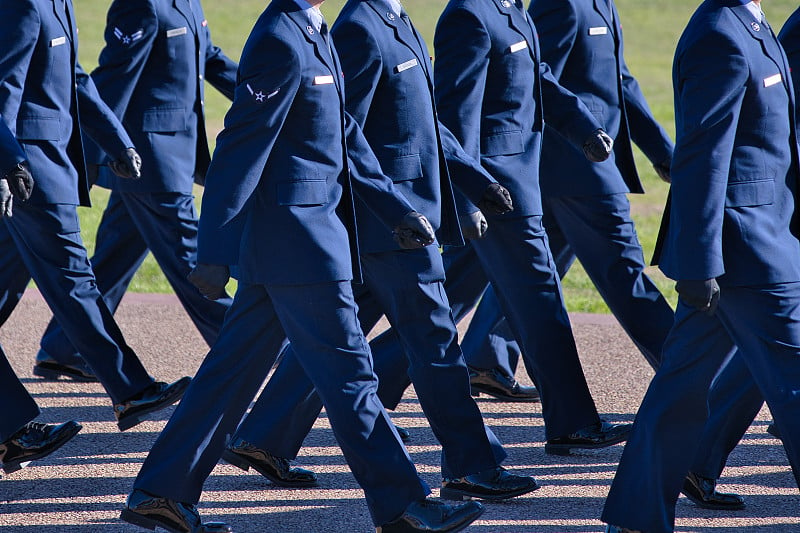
(617,529)
(34,441)
(495,484)
(155,397)
(48,368)
(598,435)
(434,516)
(703,492)
(773,430)
(149,511)
(276,469)
(405,435)
(496,383)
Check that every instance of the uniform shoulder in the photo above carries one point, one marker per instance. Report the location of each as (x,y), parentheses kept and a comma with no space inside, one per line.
(711,26)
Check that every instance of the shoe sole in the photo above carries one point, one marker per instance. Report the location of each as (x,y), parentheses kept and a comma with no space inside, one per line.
(138,418)
(142,521)
(240,462)
(565,449)
(14,466)
(715,507)
(462,495)
(476,392)
(43,370)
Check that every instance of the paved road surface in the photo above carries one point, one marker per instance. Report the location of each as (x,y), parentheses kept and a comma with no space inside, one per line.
(81,487)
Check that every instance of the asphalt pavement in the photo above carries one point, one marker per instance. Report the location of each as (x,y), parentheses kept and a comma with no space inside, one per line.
(82,487)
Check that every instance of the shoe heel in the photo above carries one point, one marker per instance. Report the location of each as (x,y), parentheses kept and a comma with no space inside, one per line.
(136,519)
(233,459)
(554,450)
(128,423)
(453,495)
(46,373)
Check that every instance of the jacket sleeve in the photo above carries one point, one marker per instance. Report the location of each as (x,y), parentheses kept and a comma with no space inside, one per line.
(462,46)
(557,26)
(220,69)
(19,28)
(646,132)
(374,188)
(97,120)
(244,145)
(362,65)
(709,79)
(564,111)
(10,151)
(469,177)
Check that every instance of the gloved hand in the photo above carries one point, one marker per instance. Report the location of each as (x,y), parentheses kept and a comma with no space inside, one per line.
(496,200)
(473,226)
(128,165)
(663,169)
(20,181)
(701,294)
(6,199)
(210,280)
(598,146)
(414,231)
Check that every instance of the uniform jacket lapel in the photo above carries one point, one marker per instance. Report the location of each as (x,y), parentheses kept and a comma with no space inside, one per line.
(320,46)
(520,23)
(185,9)
(604,10)
(762,34)
(402,33)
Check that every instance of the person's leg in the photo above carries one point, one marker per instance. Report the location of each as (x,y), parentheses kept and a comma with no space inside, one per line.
(193,440)
(327,338)
(600,232)
(168,224)
(408,284)
(669,423)
(14,394)
(119,251)
(516,257)
(14,276)
(48,238)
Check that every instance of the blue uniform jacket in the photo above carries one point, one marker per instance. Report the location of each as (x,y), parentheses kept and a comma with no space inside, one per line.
(389,80)
(581,41)
(10,151)
(790,39)
(151,72)
(734,172)
(490,84)
(42,89)
(278,200)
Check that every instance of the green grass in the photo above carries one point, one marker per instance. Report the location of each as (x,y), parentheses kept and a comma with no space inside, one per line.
(651,29)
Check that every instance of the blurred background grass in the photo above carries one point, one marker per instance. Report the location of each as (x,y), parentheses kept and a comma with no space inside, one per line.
(651,29)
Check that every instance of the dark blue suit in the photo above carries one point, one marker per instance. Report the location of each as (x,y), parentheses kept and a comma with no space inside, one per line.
(41,90)
(279,206)
(490,84)
(734,191)
(14,394)
(388,77)
(732,411)
(151,73)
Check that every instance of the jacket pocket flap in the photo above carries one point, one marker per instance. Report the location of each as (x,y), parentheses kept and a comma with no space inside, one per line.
(303,192)
(402,168)
(503,143)
(169,119)
(39,127)
(749,193)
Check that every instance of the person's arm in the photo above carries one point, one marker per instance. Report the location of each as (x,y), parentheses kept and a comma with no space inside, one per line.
(252,125)
(220,69)
(709,79)
(557,26)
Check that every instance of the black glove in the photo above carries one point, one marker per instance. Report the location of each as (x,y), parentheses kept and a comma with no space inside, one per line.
(210,280)
(473,226)
(598,146)
(413,232)
(496,200)
(663,169)
(128,165)
(701,294)
(20,181)
(6,199)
